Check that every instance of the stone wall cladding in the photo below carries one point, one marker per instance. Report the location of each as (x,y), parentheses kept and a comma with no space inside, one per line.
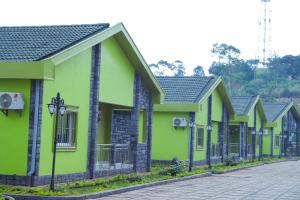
(93,109)
(39,180)
(121,127)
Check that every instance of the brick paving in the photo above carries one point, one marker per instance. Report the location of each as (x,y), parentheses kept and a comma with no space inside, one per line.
(267,182)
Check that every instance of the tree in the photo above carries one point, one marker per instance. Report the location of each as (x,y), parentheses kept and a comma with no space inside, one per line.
(164,68)
(198,71)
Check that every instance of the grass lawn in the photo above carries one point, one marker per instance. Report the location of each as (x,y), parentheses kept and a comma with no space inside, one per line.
(158,173)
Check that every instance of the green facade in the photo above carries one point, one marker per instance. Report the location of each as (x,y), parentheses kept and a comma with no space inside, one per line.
(14,131)
(72,80)
(169,142)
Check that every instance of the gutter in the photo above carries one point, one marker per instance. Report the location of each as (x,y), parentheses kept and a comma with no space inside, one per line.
(35,127)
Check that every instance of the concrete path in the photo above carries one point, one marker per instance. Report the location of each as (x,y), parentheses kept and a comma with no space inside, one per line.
(273,181)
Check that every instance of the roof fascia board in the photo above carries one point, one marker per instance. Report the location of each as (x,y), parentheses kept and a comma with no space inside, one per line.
(176,108)
(27,70)
(284,111)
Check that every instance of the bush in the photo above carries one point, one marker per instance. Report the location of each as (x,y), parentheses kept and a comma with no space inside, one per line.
(177,167)
(231,160)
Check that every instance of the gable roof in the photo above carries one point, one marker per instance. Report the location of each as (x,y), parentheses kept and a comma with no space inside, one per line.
(273,110)
(186,89)
(33,43)
(276,111)
(45,68)
(243,104)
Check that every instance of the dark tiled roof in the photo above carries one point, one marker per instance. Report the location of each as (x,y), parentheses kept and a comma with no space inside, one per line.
(32,43)
(187,89)
(273,110)
(242,104)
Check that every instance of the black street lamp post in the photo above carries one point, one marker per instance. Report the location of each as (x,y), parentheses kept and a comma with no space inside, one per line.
(56,106)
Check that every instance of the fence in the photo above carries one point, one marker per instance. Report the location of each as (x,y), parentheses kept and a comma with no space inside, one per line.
(113,156)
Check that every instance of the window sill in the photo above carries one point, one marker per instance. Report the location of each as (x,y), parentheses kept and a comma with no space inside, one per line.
(63,149)
(199,148)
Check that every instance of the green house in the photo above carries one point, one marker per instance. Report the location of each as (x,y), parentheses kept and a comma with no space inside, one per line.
(246,130)
(194,108)
(282,138)
(107,87)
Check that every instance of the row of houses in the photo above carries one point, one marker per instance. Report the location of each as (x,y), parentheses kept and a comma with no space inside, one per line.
(120,118)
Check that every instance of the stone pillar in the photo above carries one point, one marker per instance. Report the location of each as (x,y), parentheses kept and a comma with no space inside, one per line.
(254,136)
(246,140)
(227,134)
(191,141)
(221,134)
(242,128)
(209,124)
(271,141)
(135,120)
(149,134)
(93,110)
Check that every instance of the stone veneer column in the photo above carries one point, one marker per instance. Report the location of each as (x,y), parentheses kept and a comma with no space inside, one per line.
(246,141)
(254,136)
(227,133)
(221,133)
(209,123)
(135,120)
(242,128)
(191,141)
(93,110)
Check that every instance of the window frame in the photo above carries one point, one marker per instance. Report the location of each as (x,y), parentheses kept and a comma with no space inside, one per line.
(65,146)
(275,145)
(200,147)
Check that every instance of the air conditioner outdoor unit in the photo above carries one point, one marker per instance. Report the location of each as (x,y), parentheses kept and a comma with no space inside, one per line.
(179,122)
(11,101)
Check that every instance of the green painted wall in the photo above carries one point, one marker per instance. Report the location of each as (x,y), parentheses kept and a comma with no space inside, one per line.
(277,131)
(258,125)
(14,131)
(251,119)
(169,142)
(201,122)
(116,75)
(104,131)
(216,106)
(72,80)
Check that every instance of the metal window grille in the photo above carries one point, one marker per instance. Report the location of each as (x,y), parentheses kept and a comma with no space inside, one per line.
(200,137)
(67,124)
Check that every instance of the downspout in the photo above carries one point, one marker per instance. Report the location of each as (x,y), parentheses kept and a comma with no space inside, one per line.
(35,127)
(254,136)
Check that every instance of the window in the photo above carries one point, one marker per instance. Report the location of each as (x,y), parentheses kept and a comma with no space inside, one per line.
(277,140)
(200,137)
(67,127)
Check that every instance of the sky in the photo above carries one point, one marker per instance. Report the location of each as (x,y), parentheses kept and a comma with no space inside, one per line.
(170,29)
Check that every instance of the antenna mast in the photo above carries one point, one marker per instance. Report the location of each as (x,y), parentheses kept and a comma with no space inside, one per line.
(265,34)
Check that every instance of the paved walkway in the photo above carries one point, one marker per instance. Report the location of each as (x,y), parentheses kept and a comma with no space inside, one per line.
(273,181)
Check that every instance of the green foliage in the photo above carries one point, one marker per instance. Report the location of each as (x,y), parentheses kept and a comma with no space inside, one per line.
(198,71)
(231,160)
(177,167)
(281,78)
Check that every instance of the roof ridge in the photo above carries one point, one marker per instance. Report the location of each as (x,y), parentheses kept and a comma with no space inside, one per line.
(55,25)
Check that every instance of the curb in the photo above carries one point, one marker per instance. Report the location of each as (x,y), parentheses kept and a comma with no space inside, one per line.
(103,193)
(236,169)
